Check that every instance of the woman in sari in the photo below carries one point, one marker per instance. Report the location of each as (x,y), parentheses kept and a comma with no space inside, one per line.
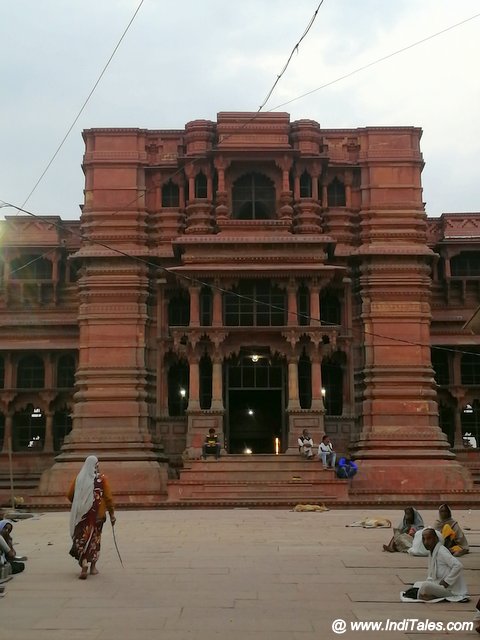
(91,498)
(404,532)
(453,537)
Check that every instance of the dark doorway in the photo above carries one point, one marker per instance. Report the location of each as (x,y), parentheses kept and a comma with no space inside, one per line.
(255,420)
(255,404)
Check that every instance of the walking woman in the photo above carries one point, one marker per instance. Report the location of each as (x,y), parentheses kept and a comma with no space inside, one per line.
(91,498)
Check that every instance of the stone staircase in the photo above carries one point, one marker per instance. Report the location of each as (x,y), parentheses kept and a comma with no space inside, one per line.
(257,480)
(23,484)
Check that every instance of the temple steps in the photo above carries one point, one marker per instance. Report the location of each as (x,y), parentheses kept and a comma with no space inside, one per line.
(256,480)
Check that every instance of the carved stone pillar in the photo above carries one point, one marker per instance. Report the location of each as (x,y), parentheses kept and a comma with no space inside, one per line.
(317,397)
(194,385)
(314,305)
(296,187)
(324,196)
(293,399)
(194,306)
(217,384)
(162,384)
(347,306)
(292,310)
(7,434)
(48,443)
(217,320)
(458,438)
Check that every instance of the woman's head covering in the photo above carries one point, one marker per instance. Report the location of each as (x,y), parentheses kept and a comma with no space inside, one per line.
(446,508)
(83,495)
(3,524)
(417,521)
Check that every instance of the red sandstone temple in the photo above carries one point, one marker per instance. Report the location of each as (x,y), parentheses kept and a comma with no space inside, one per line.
(255,275)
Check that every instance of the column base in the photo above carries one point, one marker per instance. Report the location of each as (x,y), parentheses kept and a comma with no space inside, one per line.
(137,472)
(300,419)
(412,479)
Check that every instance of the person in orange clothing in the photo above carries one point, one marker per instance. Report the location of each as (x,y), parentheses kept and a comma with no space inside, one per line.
(91,498)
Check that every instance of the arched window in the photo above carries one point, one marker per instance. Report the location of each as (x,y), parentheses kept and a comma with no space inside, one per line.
(440,366)
(305,382)
(255,304)
(179,310)
(466,264)
(31,267)
(31,373)
(471,368)
(336,193)
(305,185)
(253,197)
(330,309)
(178,376)
(170,195)
(66,372)
(28,426)
(205,368)
(200,185)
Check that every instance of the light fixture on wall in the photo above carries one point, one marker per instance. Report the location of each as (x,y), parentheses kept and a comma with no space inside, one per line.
(182,393)
(324,392)
(255,357)
(250,412)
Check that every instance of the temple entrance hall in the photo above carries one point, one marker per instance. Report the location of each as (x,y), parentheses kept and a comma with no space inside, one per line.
(255,405)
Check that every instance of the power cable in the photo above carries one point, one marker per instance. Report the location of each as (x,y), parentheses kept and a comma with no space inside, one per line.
(382,59)
(50,162)
(295,49)
(191,161)
(212,286)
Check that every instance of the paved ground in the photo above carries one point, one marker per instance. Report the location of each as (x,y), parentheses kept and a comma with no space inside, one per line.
(236,574)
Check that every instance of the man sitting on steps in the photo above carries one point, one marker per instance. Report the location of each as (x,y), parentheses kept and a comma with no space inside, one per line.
(305,445)
(211,446)
(326,453)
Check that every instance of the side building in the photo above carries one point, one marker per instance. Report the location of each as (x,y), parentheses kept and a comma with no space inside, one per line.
(254,275)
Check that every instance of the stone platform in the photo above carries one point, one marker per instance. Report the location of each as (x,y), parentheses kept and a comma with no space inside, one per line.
(213,574)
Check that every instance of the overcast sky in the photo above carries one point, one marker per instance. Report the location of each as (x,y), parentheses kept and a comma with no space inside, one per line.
(182,61)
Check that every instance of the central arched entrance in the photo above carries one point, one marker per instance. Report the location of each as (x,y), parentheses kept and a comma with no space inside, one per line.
(255,403)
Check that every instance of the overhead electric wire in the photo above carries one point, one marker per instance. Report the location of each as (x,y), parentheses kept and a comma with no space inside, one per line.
(213,286)
(377,61)
(295,49)
(339,79)
(193,160)
(87,99)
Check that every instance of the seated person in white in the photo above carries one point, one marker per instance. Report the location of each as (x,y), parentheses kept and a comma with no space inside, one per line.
(445,572)
(305,445)
(326,453)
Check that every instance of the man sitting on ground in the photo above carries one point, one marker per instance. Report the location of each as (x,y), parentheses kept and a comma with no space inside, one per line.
(445,572)
(211,446)
(305,445)
(326,453)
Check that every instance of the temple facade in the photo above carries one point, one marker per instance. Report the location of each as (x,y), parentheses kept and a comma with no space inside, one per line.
(252,274)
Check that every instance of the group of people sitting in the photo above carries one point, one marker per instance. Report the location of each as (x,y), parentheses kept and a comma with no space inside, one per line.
(10,563)
(407,535)
(443,542)
(346,468)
